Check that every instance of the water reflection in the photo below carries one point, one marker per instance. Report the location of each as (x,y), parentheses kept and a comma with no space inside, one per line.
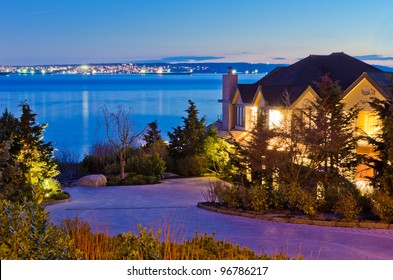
(70,104)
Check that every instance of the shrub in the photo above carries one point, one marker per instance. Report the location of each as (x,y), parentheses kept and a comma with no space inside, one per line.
(383,206)
(228,195)
(301,200)
(259,198)
(27,234)
(151,165)
(347,206)
(191,166)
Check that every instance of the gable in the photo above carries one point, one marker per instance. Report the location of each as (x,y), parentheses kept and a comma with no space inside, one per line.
(309,95)
(362,93)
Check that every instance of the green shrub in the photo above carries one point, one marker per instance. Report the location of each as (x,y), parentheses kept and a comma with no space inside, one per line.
(259,198)
(347,206)
(227,195)
(26,234)
(383,205)
(191,166)
(301,200)
(151,165)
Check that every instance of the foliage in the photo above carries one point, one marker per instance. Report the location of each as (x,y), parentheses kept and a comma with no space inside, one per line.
(29,153)
(216,152)
(347,206)
(146,244)
(191,165)
(382,143)
(188,140)
(151,165)
(383,205)
(26,233)
(152,135)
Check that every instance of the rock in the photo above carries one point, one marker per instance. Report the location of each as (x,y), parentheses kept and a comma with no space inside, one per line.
(95,180)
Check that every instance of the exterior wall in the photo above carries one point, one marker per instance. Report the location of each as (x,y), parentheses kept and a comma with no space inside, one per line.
(357,96)
(308,96)
(229,87)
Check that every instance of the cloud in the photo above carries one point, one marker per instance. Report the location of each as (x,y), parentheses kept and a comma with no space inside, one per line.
(179,59)
(374,57)
(278,58)
(189,58)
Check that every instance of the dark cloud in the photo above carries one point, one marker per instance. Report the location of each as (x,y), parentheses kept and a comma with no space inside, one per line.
(374,57)
(278,58)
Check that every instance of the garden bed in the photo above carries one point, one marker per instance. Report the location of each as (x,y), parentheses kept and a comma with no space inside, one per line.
(293,219)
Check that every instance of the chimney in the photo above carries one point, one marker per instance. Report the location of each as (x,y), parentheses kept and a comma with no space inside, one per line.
(229,87)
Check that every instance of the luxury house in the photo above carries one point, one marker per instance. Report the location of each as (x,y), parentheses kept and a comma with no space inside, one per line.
(358,80)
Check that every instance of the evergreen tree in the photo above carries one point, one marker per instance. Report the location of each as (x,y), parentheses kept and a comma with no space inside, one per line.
(333,129)
(188,140)
(26,152)
(383,146)
(152,134)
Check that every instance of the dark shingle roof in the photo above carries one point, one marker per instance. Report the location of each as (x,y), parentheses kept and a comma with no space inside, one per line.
(384,80)
(247,92)
(298,76)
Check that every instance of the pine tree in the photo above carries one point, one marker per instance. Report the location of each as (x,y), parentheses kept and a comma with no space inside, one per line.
(28,153)
(383,146)
(333,129)
(152,134)
(188,140)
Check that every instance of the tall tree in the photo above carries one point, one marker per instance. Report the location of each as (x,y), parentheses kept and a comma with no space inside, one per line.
(383,146)
(188,140)
(121,134)
(32,156)
(333,129)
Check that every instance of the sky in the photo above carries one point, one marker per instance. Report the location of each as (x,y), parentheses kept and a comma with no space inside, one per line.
(257,31)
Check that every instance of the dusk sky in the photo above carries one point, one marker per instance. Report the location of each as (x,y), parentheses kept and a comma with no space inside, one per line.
(92,31)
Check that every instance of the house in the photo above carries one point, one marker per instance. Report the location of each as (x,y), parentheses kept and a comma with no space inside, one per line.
(286,89)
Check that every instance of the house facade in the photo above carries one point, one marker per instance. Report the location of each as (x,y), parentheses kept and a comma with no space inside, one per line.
(286,89)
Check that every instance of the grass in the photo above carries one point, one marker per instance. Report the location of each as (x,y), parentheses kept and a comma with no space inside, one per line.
(150,244)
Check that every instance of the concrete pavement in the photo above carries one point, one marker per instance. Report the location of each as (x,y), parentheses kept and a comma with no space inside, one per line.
(173,202)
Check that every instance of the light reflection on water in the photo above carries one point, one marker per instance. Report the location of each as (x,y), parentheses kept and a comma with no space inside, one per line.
(70,104)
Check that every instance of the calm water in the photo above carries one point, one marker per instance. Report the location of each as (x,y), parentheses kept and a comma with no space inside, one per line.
(70,104)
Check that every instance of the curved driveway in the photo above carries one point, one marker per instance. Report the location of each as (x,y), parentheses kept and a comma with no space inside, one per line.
(173,202)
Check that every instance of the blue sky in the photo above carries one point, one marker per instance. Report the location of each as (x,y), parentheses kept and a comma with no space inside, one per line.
(87,31)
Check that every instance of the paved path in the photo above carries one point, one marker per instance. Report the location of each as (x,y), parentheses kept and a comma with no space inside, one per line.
(120,209)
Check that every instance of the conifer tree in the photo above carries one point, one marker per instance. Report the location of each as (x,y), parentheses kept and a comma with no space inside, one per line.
(152,134)
(188,140)
(383,146)
(26,152)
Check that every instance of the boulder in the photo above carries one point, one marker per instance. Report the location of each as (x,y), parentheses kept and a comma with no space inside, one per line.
(95,180)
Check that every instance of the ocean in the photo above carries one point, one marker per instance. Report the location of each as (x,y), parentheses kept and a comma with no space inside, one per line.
(70,104)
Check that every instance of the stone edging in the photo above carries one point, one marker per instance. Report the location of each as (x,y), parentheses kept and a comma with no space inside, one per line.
(283,219)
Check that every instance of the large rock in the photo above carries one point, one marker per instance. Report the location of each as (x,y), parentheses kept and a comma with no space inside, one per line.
(95,180)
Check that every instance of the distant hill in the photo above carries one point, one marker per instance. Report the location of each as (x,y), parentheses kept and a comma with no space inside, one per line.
(222,67)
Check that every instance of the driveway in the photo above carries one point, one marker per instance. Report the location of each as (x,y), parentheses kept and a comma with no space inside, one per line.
(173,202)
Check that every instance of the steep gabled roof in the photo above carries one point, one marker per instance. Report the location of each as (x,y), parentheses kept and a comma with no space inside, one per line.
(298,76)
(247,92)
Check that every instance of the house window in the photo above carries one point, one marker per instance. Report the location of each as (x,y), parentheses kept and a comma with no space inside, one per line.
(368,122)
(240,116)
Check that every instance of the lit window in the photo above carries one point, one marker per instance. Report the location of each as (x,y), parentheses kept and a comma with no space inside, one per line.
(368,122)
(275,118)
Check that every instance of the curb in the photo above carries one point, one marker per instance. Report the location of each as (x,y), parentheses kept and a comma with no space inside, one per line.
(283,219)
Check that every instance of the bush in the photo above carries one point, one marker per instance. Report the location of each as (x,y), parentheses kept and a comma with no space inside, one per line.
(259,198)
(301,200)
(347,206)
(383,206)
(228,195)
(191,166)
(151,165)
(27,234)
